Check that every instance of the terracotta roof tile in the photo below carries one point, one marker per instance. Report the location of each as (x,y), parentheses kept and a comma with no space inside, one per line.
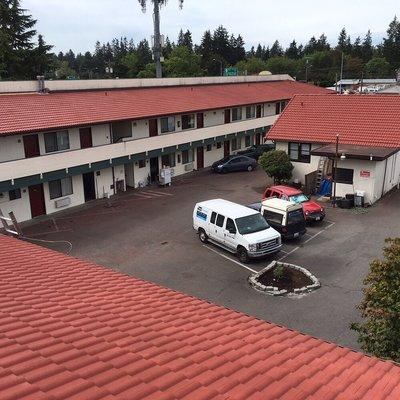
(72,330)
(35,112)
(358,119)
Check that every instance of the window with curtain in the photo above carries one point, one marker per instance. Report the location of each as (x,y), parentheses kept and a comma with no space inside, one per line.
(60,188)
(300,152)
(56,141)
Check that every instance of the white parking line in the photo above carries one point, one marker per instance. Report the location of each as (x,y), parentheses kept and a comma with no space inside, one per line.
(230,259)
(288,254)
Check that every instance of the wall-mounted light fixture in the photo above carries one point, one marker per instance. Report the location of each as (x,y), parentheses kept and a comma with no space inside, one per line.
(343,156)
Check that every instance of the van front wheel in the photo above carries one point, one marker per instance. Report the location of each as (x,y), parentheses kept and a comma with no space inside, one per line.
(242,255)
(202,236)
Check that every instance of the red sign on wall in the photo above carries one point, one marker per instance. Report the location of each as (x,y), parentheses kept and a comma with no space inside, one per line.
(365,174)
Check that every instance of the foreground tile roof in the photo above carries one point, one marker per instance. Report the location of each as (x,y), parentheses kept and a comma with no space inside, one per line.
(366,120)
(34,112)
(74,330)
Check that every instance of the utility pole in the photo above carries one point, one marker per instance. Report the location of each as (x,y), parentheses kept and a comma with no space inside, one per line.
(334,170)
(157,39)
(341,73)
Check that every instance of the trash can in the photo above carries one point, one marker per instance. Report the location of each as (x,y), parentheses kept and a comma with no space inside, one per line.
(359,198)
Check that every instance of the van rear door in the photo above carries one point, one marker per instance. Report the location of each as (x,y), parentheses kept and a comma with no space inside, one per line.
(295,222)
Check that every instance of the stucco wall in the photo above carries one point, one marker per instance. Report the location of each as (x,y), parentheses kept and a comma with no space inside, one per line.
(20,207)
(101,134)
(11,148)
(103,182)
(77,197)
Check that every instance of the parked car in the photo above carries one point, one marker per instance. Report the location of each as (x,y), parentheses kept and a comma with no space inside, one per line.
(312,210)
(285,217)
(236,228)
(257,150)
(234,163)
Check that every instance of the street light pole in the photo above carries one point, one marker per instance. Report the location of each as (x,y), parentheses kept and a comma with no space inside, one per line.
(334,170)
(221,68)
(157,40)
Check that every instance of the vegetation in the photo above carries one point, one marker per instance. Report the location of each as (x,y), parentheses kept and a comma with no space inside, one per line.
(277,165)
(379,333)
(22,56)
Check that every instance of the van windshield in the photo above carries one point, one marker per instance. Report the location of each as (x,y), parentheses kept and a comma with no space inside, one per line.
(295,217)
(251,224)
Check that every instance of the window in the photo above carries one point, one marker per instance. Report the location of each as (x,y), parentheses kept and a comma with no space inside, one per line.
(168,160)
(230,226)
(187,156)
(295,217)
(209,147)
(60,188)
(220,220)
(56,141)
(273,217)
(236,114)
(300,152)
(236,144)
(213,217)
(188,121)
(14,194)
(167,124)
(344,175)
(219,145)
(247,141)
(251,224)
(250,112)
(142,163)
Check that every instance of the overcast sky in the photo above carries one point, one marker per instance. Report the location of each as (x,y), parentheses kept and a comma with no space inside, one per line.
(77,24)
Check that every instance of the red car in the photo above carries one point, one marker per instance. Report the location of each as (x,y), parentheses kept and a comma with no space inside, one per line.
(312,210)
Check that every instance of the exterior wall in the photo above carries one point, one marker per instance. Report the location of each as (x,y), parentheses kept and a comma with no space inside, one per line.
(103,183)
(392,178)
(301,169)
(20,207)
(140,129)
(269,109)
(11,148)
(101,135)
(214,155)
(119,175)
(74,141)
(77,197)
(141,174)
(214,117)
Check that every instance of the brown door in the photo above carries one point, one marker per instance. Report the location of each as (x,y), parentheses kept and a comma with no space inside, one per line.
(227,149)
(258,112)
(36,199)
(200,157)
(153,127)
(31,146)
(200,120)
(227,116)
(258,138)
(85,135)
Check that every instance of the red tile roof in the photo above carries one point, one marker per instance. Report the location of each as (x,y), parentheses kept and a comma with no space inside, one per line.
(34,112)
(359,120)
(74,330)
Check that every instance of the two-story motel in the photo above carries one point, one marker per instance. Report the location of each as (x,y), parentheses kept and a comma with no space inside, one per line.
(77,141)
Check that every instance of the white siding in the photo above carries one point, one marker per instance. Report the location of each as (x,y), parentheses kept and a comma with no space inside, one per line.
(301,169)
(11,148)
(141,174)
(103,181)
(214,117)
(269,109)
(20,207)
(77,197)
(214,155)
(140,129)
(101,134)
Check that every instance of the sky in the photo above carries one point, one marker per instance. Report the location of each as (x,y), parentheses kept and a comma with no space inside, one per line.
(78,24)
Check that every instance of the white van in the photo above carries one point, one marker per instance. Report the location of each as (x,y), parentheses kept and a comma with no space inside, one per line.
(236,228)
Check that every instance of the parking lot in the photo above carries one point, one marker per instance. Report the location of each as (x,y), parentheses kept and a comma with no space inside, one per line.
(148,234)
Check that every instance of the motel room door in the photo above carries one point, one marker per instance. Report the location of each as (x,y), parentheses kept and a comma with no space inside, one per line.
(153,127)
(89,188)
(227,149)
(36,199)
(31,146)
(85,135)
(200,157)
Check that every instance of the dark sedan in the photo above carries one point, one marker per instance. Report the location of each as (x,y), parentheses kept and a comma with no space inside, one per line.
(256,151)
(234,163)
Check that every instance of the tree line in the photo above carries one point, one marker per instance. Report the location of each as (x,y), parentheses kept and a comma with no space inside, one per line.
(316,61)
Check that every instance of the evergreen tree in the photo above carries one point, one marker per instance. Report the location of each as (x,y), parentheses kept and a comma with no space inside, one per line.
(180,38)
(367,48)
(221,43)
(167,47)
(391,44)
(259,51)
(16,35)
(292,51)
(344,42)
(42,60)
(311,47)
(144,54)
(322,43)
(205,51)
(276,50)
(187,41)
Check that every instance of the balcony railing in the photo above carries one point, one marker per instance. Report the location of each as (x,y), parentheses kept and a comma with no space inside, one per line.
(68,159)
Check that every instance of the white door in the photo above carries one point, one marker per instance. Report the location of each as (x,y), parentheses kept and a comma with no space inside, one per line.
(218,229)
(230,234)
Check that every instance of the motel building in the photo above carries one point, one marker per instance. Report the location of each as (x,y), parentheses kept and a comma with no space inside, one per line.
(64,143)
(367,129)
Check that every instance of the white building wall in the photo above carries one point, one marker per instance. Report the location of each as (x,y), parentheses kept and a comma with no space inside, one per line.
(74,141)
(301,169)
(392,177)
(77,197)
(11,148)
(20,207)
(141,174)
(103,182)
(101,135)
(214,155)
(214,117)
(119,175)
(269,109)
(140,129)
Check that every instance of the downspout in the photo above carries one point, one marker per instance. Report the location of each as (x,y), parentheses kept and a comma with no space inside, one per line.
(384,179)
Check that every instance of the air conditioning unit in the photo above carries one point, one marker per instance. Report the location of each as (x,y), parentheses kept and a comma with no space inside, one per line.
(66,201)
(189,167)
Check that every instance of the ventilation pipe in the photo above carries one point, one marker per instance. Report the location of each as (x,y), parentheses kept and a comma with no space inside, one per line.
(41,85)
